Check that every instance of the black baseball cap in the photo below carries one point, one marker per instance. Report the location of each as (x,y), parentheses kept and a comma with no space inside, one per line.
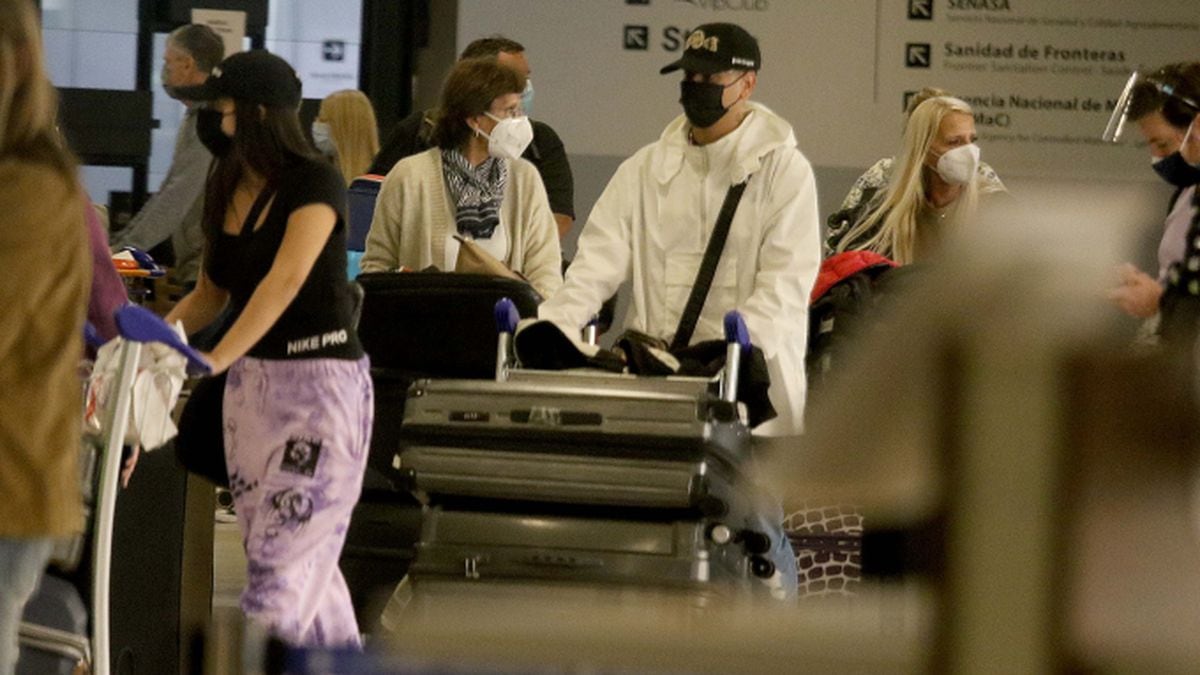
(717,47)
(257,76)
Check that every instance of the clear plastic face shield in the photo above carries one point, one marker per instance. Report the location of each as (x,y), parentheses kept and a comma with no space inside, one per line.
(1120,113)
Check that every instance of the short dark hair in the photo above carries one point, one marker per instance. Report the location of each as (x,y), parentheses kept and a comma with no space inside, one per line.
(201,43)
(1147,98)
(490,47)
(469,90)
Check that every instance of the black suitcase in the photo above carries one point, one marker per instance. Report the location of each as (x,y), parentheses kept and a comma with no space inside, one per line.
(439,324)
(380,544)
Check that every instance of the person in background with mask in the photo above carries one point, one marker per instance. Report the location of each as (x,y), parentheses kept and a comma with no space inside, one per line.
(174,211)
(876,178)
(345,131)
(652,225)
(934,186)
(472,184)
(412,134)
(1167,125)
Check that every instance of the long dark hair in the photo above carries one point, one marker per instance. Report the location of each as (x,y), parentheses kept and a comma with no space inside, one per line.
(267,140)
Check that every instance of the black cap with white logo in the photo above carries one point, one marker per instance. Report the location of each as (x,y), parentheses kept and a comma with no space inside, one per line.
(257,76)
(717,47)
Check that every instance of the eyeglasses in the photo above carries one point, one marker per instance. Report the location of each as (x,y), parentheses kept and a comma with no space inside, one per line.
(512,111)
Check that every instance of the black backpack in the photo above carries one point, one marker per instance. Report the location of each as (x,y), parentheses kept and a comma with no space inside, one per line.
(845,301)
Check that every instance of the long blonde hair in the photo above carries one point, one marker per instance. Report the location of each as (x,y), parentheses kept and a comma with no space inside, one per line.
(28,103)
(352,127)
(895,214)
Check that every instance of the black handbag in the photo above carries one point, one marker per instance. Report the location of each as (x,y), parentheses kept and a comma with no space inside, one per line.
(200,445)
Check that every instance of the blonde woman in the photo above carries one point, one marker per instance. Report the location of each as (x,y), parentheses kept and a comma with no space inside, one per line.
(345,131)
(901,208)
(45,269)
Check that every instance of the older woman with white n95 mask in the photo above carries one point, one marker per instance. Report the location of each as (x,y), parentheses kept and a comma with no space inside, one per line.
(932,187)
(472,185)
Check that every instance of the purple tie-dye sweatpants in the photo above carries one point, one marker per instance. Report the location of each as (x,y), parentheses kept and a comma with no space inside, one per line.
(296,440)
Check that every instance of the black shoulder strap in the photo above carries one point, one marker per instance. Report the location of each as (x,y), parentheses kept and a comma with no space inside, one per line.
(708,268)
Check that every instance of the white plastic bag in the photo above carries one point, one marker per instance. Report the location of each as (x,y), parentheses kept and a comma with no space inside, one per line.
(161,372)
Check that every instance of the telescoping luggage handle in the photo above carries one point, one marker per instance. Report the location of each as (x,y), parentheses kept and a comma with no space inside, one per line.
(737,342)
(138,326)
(507,317)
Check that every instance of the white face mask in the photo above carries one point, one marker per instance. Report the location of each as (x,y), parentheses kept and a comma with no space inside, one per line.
(322,139)
(509,137)
(958,165)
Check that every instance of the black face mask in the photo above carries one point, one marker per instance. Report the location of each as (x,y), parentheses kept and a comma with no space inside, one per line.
(1175,170)
(168,89)
(702,102)
(208,130)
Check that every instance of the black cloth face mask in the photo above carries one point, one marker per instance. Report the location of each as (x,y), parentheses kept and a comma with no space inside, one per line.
(208,130)
(1175,170)
(702,101)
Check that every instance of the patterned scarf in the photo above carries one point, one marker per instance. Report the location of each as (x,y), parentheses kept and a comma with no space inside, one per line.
(476,191)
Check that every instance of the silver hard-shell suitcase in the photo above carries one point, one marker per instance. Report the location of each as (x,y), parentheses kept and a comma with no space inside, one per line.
(478,546)
(577,440)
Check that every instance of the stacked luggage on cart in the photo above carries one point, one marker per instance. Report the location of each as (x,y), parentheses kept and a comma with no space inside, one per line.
(582,478)
(413,325)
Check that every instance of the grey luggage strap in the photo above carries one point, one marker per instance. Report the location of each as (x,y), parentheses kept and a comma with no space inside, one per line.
(708,268)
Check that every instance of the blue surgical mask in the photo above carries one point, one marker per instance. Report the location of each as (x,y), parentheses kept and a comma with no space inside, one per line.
(322,139)
(527,98)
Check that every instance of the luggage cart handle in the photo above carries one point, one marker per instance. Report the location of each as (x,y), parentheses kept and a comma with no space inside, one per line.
(139,324)
(507,317)
(737,341)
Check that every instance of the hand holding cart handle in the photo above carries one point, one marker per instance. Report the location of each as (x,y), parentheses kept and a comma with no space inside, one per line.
(591,330)
(737,341)
(507,317)
(138,324)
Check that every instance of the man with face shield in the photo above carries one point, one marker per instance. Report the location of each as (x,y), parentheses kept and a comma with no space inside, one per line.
(1167,123)
(174,211)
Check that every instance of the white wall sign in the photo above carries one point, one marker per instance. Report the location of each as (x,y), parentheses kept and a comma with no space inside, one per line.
(229,24)
(321,40)
(1041,75)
